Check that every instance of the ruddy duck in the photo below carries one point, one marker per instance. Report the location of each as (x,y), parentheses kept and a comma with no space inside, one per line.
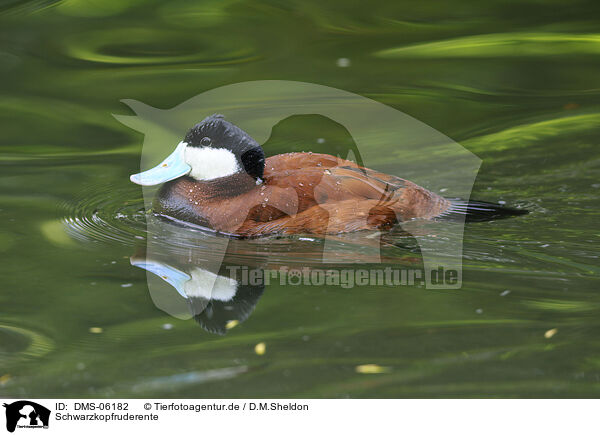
(218,177)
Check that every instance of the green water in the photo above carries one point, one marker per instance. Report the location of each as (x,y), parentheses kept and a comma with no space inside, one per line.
(515,83)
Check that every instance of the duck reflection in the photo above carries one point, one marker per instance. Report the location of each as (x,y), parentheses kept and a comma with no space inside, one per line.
(217,280)
(215,300)
(190,274)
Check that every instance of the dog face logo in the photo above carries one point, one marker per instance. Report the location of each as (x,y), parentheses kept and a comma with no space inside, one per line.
(26,414)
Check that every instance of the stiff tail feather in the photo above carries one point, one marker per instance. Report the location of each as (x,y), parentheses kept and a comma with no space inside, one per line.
(479,211)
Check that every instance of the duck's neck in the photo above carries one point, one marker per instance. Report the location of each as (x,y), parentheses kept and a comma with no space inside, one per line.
(229,186)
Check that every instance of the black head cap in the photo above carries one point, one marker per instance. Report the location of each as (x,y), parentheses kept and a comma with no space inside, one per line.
(215,132)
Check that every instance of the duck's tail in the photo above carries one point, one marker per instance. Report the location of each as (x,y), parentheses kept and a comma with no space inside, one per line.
(480,211)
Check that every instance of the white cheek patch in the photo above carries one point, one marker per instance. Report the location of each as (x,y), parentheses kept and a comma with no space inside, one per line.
(207,285)
(209,163)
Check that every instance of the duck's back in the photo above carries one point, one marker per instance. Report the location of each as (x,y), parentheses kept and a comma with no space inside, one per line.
(320,193)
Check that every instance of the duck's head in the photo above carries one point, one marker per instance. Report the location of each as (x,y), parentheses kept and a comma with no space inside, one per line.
(213,148)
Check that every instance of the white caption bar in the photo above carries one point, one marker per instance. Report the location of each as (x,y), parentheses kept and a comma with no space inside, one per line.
(264,416)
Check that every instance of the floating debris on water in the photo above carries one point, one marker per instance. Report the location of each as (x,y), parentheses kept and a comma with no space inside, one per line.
(343,62)
(550,332)
(232,324)
(260,348)
(505,292)
(4,379)
(167,326)
(96,330)
(479,311)
(128,284)
(370,369)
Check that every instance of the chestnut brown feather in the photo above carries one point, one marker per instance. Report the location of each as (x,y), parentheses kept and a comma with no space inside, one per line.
(301,193)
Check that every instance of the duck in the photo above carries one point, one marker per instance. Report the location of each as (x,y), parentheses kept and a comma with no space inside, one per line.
(218,178)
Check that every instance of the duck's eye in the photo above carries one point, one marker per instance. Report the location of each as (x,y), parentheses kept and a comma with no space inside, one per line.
(205,141)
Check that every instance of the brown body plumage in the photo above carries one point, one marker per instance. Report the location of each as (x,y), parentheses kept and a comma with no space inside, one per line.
(300,193)
(218,178)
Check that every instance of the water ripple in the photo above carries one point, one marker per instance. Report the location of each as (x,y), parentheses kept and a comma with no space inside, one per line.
(501,45)
(144,46)
(17,343)
(106,214)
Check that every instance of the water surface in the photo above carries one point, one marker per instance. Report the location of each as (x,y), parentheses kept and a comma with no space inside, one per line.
(517,85)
